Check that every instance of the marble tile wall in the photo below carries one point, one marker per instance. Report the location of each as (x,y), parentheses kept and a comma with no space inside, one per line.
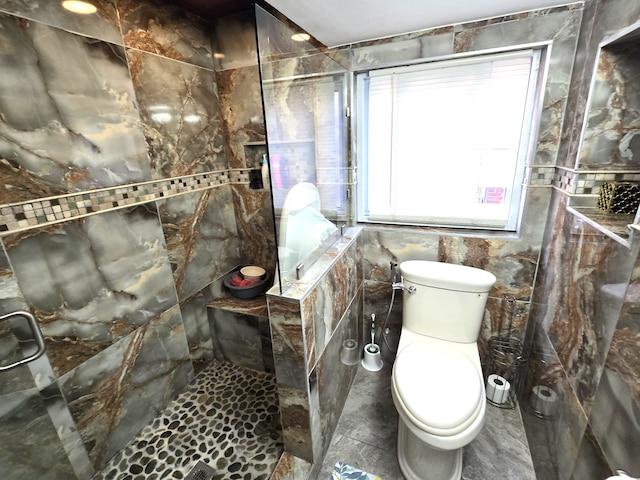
(583,315)
(238,81)
(310,322)
(119,207)
(513,260)
(608,150)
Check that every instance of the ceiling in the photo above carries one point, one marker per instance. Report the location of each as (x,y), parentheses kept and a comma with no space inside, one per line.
(339,22)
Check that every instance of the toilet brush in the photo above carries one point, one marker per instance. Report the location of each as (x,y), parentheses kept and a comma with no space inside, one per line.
(372,360)
(373,328)
(372,347)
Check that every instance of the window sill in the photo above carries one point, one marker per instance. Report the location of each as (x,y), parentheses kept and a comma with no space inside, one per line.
(443,231)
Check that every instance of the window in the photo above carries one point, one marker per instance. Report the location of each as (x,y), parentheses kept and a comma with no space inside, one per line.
(446,143)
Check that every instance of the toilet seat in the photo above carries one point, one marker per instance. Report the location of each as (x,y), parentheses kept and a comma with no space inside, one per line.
(438,386)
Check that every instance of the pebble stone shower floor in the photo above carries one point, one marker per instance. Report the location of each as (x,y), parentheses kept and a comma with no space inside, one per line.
(227,418)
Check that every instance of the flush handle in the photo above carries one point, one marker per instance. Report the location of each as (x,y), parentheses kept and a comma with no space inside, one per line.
(36,333)
(400,286)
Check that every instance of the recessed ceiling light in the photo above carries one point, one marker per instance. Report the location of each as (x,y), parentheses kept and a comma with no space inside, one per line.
(77,6)
(300,37)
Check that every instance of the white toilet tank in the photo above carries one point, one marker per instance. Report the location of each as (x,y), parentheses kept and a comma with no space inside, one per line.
(448,302)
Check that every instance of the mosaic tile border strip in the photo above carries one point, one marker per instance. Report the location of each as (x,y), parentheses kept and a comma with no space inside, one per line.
(564,179)
(46,211)
(589,182)
(542,175)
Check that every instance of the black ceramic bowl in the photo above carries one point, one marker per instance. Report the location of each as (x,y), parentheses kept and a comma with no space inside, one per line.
(251,291)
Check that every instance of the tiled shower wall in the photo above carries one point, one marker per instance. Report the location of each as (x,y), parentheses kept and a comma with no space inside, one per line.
(122,202)
(585,311)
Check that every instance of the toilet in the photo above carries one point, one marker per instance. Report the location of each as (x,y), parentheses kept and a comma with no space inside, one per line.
(437,383)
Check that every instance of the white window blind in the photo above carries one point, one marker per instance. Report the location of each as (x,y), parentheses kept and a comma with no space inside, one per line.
(445,143)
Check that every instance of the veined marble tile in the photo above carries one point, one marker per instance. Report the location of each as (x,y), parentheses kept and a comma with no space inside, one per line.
(181,114)
(241,103)
(117,392)
(79,282)
(196,325)
(328,301)
(614,416)
(378,297)
(103,25)
(29,444)
(383,245)
(513,263)
(67,430)
(428,44)
(585,315)
(234,36)
(295,412)
(335,375)
(237,339)
(288,342)
(201,237)
(241,106)
(610,137)
(76,126)
(165,30)
(256,229)
(566,423)
(290,467)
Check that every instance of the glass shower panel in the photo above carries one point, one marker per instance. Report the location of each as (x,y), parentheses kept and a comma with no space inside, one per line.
(304,94)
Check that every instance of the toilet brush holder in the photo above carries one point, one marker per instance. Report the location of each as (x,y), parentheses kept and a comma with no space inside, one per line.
(372,359)
(350,353)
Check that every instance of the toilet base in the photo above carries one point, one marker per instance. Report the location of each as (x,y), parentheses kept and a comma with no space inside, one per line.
(419,461)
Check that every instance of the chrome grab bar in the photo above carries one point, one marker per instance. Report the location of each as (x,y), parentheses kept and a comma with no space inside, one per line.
(37,336)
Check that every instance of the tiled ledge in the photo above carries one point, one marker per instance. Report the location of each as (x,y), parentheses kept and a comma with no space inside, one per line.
(256,307)
(47,211)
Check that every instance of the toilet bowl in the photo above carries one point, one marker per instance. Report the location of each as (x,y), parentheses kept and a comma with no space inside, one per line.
(437,383)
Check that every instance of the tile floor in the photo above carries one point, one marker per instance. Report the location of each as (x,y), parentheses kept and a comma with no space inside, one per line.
(245,443)
(367,431)
(228,417)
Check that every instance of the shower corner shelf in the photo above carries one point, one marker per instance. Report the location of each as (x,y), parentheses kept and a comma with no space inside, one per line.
(615,226)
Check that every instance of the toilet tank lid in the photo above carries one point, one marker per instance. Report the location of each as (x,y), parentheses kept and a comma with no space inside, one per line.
(447,275)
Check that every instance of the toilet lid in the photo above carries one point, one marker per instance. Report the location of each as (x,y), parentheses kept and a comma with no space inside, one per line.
(440,387)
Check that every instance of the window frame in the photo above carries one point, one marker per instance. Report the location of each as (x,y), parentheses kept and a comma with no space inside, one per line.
(527,149)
